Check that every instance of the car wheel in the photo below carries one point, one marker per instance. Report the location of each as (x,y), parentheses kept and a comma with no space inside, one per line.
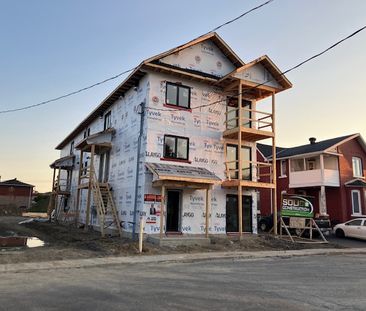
(339,233)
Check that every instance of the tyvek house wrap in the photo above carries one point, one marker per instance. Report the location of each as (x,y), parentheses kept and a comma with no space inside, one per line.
(203,126)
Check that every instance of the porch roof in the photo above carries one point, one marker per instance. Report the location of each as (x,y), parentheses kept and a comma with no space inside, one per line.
(180,173)
(102,141)
(64,162)
(357,182)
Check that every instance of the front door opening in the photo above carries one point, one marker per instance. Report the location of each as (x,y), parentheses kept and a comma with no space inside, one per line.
(232,217)
(173,211)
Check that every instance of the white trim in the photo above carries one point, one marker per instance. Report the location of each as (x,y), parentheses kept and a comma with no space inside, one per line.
(359,203)
(360,166)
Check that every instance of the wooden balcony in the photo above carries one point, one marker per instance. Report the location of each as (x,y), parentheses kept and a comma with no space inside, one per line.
(261,179)
(255,125)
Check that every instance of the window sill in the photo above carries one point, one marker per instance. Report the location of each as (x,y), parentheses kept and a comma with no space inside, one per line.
(177,107)
(357,215)
(175,160)
(360,177)
(282,176)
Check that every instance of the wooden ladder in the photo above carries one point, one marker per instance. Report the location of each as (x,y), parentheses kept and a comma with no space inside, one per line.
(106,209)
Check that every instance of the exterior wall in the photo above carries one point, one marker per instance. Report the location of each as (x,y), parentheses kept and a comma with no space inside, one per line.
(204,56)
(123,157)
(350,149)
(204,128)
(13,198)
(338,199)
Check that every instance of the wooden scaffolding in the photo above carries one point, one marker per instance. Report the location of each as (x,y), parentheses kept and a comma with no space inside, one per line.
(99,191)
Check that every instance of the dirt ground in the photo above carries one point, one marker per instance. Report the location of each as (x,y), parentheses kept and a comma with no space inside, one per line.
(68,242)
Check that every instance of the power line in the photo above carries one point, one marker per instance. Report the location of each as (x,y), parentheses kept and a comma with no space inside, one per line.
(282,73)
(126,71)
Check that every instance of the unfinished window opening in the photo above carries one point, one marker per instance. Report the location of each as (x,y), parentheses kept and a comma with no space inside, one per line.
(87,132)
(176,147)
(178,95)
(72,148)
(107,120)
(232,114)
(232,164)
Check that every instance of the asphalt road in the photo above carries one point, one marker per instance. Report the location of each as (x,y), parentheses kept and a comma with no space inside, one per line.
(347,242)
(302,283)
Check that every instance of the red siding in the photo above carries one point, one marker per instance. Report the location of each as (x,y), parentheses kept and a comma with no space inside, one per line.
(339,201)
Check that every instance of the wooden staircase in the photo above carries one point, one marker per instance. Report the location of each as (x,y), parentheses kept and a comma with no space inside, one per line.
(104,203)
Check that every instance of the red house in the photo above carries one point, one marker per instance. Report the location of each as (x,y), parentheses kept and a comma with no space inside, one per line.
(332,171)
(15,196)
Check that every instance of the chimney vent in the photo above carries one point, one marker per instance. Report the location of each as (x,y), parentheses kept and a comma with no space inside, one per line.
(312,140)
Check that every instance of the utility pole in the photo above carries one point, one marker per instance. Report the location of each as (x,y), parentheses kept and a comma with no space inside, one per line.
(141,112)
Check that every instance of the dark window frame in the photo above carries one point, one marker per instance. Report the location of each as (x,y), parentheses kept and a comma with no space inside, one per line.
(237,163)
(165,156)
(177,95)
(108,116)
(87,132)
(72,147)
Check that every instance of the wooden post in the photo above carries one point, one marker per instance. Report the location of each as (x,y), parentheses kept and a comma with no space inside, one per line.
(51,202)
(88,199)
(162,209)
(141,233)
(78,190)
(208,209)
(240,165)
(274,170)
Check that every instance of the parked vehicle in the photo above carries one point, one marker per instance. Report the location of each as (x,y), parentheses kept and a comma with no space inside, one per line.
(355,228)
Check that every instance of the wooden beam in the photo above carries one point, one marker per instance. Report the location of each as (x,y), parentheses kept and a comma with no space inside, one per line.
(78,191)
(88,199)
(162,209)
(240,164)
(274,164)
(208,210)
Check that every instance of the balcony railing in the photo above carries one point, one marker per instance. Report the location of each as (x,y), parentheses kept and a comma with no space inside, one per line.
(262,121)
(62,186)
(261,169)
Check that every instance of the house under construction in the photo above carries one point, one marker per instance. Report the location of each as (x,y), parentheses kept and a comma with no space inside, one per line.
(174,145)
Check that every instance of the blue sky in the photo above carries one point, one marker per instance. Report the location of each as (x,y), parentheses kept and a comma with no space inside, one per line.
(49,48)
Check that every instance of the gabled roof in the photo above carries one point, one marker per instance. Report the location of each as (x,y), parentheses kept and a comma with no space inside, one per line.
(14,183)
(151,63)
(317,147)
(357,182)
(269,65)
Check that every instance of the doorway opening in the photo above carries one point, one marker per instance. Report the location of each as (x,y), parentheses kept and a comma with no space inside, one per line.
(232,215)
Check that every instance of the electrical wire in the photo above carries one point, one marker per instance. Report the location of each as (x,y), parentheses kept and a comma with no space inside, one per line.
(281,74)
(129,70)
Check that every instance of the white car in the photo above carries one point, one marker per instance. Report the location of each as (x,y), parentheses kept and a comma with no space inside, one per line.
(355,228)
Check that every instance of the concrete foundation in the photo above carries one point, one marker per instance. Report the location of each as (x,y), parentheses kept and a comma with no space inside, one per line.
(173,241)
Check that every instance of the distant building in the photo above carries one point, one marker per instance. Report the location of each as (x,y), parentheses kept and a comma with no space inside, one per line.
(332,171)
(14,196)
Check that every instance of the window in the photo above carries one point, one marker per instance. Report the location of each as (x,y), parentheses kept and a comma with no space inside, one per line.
(357,167)
(87,132)
(232,164)
(356,222)
(107,120)
(283,168)
(176,147)
(72,147)
(232,114)
(178,95)
(356,202)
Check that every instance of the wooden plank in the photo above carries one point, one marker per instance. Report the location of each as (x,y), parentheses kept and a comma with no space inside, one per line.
(78,191)
(88,199)
(274,165)
(162,210)
(208,210)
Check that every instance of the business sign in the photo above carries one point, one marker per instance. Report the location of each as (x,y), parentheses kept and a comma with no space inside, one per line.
(297,206)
